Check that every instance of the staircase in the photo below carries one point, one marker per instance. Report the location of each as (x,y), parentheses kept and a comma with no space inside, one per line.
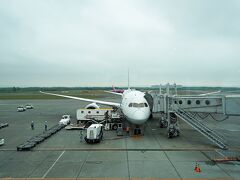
(200,127)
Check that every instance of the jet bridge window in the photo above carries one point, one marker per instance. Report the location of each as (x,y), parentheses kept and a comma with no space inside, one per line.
(180,102)
(207,102)
(197,102)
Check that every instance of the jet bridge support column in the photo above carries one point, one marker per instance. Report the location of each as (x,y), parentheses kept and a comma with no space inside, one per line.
(164,117)
(168,118)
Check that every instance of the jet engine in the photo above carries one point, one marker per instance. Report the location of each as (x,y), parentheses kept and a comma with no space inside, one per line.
(92,106)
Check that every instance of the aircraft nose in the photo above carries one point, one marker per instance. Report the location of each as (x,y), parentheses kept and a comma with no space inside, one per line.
(139,117)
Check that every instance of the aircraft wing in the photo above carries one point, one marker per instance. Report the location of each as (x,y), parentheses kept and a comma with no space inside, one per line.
(210,93)
(84,99)
(120,94)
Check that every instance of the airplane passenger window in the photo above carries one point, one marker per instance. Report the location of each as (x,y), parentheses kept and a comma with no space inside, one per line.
(130,105)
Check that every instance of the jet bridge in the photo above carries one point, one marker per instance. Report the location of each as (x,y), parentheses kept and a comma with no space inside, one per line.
(184,107)
(228,105)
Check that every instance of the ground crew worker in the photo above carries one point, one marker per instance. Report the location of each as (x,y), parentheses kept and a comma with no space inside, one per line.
(45,125)
(106,116)
(127,130)
(32,125)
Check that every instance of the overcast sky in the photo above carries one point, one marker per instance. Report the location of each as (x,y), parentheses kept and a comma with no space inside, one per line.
(94,42)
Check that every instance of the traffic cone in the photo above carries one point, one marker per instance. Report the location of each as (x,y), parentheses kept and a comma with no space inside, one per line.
(198,169)
(195,167)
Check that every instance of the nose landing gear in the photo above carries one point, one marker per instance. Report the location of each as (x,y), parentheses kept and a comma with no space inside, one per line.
(137,130)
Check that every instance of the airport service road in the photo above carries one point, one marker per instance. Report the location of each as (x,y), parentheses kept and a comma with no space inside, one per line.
(150,156)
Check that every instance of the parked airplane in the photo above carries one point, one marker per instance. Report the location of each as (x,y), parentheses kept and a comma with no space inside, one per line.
(117,90)
(134,105)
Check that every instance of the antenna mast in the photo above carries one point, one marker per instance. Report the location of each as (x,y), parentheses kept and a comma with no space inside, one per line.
(128,80)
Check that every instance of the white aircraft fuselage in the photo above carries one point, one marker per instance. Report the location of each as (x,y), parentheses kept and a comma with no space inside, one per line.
(135,107)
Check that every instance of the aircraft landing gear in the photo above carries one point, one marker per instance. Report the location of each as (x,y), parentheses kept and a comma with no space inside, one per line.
(138,130)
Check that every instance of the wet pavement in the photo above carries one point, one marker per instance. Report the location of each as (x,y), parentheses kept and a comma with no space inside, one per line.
(153,155)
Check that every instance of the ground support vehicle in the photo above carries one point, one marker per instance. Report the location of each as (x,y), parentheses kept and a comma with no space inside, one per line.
(65,120)
(33,141)
(111,118)
(94,133)
(21,109)
(29,106)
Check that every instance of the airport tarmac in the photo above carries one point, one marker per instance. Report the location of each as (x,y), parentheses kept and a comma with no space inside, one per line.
(153,155)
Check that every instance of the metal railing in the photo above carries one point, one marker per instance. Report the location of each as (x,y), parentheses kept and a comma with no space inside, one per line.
(202,128)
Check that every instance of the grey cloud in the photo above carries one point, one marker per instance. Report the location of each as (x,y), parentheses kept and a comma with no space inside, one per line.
(93,43)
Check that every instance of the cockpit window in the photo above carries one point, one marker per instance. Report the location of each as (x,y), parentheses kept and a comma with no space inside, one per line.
(138,105)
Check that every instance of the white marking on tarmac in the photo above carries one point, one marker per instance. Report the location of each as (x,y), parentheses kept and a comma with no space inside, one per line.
(233,130)
(53,164)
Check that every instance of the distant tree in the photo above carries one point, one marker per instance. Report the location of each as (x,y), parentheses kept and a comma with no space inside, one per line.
(14,89)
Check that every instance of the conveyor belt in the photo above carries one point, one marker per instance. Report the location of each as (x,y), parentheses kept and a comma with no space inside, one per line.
(33,141)
(3,125)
